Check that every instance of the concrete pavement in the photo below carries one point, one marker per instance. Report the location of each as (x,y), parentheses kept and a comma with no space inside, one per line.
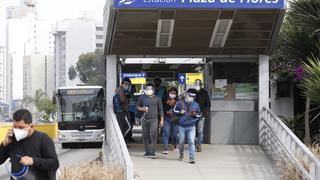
(216,162)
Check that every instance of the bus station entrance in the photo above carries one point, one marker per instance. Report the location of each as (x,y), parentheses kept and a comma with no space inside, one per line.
(227,43)
(233,47)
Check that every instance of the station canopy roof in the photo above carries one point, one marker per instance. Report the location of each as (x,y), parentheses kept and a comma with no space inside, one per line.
(190,32)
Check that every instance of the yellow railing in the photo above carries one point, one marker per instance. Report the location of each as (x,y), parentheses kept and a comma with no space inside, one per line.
(50,129)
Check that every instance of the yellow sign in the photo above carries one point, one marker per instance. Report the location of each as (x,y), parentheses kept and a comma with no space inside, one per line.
(138,80)
(191,77)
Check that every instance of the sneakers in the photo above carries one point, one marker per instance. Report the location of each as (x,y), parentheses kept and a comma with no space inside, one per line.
(165,152)
(146,155)
(192,160)
(181,157)
(176,150)
(153,156)
(198,148)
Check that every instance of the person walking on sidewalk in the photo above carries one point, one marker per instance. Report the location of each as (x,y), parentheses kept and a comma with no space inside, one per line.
(202,98)
(189,112)
(151,106)
(170,127)
(120,106)
(32,153)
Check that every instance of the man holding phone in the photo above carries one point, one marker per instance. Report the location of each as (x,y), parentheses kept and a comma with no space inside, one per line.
(27,147)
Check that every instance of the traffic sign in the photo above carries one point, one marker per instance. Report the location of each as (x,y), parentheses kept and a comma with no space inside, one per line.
(182,78)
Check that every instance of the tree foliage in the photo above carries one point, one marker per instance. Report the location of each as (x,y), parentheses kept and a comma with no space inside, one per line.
(296,41)
(42,103)
(311,81)
(90,68)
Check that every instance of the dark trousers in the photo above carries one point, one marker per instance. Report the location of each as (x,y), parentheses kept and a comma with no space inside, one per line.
(132,121)
(150,134)
(124,122)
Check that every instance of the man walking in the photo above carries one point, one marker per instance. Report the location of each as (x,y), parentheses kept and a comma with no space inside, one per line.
(189,112)
(120,106)
(151,106)
(32,153)
(202,98)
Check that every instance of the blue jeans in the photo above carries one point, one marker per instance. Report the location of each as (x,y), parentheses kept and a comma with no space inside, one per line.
(167,128)
(191,134)
(200,126)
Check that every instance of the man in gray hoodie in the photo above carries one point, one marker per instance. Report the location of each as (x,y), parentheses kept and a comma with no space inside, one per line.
(151,106)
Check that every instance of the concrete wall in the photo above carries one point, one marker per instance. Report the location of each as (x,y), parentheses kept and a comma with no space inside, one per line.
(282,106)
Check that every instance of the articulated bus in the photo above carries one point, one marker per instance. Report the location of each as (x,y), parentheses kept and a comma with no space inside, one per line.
(81,115)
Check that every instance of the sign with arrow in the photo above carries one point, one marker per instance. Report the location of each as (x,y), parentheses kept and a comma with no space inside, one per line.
(182,78)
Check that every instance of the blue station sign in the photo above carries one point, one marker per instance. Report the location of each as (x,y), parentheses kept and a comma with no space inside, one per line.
(208,4)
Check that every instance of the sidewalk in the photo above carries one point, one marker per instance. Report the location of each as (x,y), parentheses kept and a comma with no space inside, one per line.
(216,162)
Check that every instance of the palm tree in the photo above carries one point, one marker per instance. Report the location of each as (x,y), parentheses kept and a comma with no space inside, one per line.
(36,99)
(297,43)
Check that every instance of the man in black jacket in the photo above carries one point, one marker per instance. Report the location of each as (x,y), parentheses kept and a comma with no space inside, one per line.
(203,99)
(27,147)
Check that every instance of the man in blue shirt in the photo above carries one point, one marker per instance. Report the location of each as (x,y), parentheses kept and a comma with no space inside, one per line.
(189,112)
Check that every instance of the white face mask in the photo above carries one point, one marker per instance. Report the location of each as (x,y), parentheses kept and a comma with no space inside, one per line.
(197,87)
(189,99)
(172,96)
(149,92)
(20,133)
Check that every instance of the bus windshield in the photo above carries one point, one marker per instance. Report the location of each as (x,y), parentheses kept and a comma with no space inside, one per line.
(81,107)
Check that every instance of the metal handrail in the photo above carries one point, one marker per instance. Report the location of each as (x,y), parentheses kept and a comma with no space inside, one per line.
(282,141)
(115,147)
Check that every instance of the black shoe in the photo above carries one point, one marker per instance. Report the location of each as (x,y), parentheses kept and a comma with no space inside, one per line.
(153,156)
(192,160)
(146,155)
(199,148)
(181,157)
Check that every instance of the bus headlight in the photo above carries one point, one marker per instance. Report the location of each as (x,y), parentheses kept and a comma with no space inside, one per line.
(61,136)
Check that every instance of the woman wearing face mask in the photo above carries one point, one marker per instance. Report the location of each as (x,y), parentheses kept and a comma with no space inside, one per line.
(170,126)
(151,106)
(189,113)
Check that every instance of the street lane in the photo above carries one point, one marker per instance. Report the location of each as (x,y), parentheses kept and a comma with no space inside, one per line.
(66,157)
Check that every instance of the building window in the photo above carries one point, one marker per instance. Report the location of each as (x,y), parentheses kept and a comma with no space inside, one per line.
(99,45)
(99,28)
(99,36)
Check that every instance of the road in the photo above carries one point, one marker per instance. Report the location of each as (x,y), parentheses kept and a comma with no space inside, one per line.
(66,157)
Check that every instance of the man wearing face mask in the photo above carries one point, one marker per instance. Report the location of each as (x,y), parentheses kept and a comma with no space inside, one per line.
(120,106)
(28,149)
(151,106)
(202,98)
(189,113)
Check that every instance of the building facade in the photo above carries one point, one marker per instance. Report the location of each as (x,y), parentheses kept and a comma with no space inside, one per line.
(74,37)
(2,74)
(26,35)
(38,73)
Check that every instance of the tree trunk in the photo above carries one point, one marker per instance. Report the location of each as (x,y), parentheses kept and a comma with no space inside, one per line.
(307,138)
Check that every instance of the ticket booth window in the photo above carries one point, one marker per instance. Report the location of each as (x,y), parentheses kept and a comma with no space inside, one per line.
(233,80)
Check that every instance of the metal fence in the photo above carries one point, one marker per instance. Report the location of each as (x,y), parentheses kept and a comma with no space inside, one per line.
(116,152)
(276,136)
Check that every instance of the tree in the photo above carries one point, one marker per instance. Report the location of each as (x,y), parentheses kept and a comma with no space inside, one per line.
(90,68)
(35,100)
(41,102)
(296,42)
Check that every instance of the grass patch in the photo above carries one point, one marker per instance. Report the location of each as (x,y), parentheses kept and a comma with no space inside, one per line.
(91,171)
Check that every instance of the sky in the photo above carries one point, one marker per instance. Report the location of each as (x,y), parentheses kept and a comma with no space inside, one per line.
(54,10)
